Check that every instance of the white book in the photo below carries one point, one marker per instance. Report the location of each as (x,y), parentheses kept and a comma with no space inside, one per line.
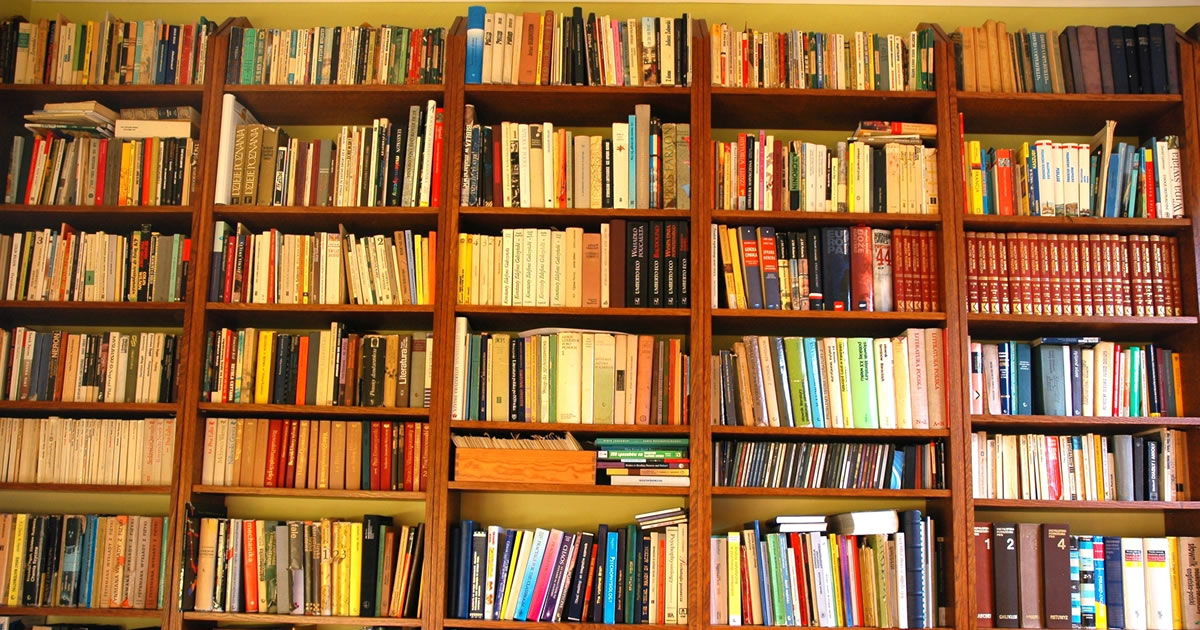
(518,268)
(558,271)
(767,367)
(427,152)
(489,592)
(508,238)
(1157,562)
(489,32)
(570,356)
(524,165)
(587,376)
(1133,580)
(458,401)
(1102,397)
(1083,179)
(232,115)
(545,264)
(514,38)
(631,368)
(671,587)
(605,281)
(217,477)
(501,51)
(917,375)
(1070,177)
(517,572)
(1044,150)
(666,52)
(549,161)
(620,378)
(833,385)
(903,387)
(529,283)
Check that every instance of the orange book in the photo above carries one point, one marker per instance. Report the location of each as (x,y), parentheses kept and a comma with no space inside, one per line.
(531,25)
(314,453)
(431,246)
(337,455)
(261,441)
(376,464)
(644,368)
(302,370)
(248,439)
(385,456)
(302,441)
(156,527)
(675,399)
(354,433)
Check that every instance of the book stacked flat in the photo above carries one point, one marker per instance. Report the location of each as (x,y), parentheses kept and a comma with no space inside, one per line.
(336,55)
(627,574)
(65,264)
(890,173)
(643,462)
(58,450)
(1142,59)
(120,367)
(815,60)
(834,382)
(1148,466)
(326,367)
(660,519)
(569,375)
(646,163)
(1074,376)
(1041,575)
(324,268)
(84,561)
(1102,275)
(842,465)
(108,52)
(315,454)
(556,48)
(319,568)
(627,263)
(875,569)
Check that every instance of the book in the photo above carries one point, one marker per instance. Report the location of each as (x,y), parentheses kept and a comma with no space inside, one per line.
(59,450)
(859,465)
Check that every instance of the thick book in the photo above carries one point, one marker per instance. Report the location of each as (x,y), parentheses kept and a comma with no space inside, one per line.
(835,268)
(1007,576)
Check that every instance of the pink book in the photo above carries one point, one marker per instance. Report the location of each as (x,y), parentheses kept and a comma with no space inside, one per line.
(1052,467)
(543,579)
(618,52)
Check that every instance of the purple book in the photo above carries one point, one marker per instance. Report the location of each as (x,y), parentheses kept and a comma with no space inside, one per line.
(561,566)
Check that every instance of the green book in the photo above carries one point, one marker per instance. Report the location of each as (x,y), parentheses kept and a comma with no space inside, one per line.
(862,382)
(379,562)
(640,442)
(774,572)
(267,565)
(249,39)
(1135,381)
(473,377)
(797,380)
(162,560)
(632,538)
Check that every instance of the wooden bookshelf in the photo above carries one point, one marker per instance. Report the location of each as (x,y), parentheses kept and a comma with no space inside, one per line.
(312,411)
(65,611)
(84,488)
(310,493)
(584,429)
(995,223)
(268,619)
(565,488)
(1081,423)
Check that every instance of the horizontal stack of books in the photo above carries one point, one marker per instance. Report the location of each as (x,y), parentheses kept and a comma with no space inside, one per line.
(67,265)
(135,452)
(1073,274)
(877,569)
(815,60)
(334,454)
(642,462)
(557,48)
(835,382)
(1074,376)
(326,367)
(121,367)
(1147,466)
(84,561)
(336,55)
(841,465)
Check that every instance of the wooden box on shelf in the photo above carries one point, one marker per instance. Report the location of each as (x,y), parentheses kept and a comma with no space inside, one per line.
(525,466)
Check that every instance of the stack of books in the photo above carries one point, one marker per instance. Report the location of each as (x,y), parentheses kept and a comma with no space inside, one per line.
(120,367)
(334,454)
(321,567)
(1073,274)
(631,574)
(835,382)
(1148,466)
(58,450)
(661,518)
(1033,575)
(1075,376)
(336,55)
(841,465)
(569,375)
(642,462)
(67,265)
(108,52)
(626,263)
(555,48)
(646,163)
(324,268)
(879,569)
(84,560)
(1142,59)
(815,60)
(326,367)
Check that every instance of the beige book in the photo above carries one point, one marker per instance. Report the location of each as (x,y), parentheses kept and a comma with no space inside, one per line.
(574,267)
(263,430)
(354,435)
(605,253)
(983,67)
(500,358)
(528,267)
(537,154)
(337,455)
(302,451)
(595,171)
(767,366)
(569,368)
(604,378)
(238,425)
(935,384)
(620,376)
(558,267)
(917,375)
(545,265)
(219,450)
(587,376)
(314,453)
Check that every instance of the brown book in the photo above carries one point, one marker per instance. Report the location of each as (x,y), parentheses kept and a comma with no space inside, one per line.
(337,455)
(983,67)
(406,296)
(314,453)
(416,372)
(1004,58)
(1054,55)
(968,58)
(323,464)
(1029,565)
(154,552)
(531,25)
(995,55)
(984,598)
(547,46)
(260,452)
(271,139)
(354,434)
(391,351)
(590,277)
(1089,58)
(1006,576)
(249,439)
(293,437)
(1056,576)
(1027,61)
(253,163)
(302,441)
(238,426)
(1067,58)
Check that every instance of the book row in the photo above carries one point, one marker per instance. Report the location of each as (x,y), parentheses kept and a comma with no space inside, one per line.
(826,269)
(1101,275)
(765,173)
(1045,178)
(1142,59)
(835,382)
(557,48)
(55,170)
(322,268)
(336,55)
(646,163)
(1031,575)
(325,567)
(84,561)
(643,461)
(634,264)
(843,465)
(320,454)
(1074,376)
(570,376)
(816,60)
(58,450)
(108,52)
(629,574)
(887,574)
(121,367)
(1148,466)
(321,367)
(71,266)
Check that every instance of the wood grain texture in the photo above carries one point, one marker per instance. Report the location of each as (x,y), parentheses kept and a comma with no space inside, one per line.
(252,619)
(1088,506)
(996,223)
(989,422)
(563,488)
(85,488)
(311,411)
(550,427)
(310,493)
(525,466)
(831,492)
(64,611)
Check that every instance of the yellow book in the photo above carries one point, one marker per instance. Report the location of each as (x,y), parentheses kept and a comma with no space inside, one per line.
(836,578)
(356,552)
(326,569)
(851,165)
(727,265)
(262,374)
(87,52)
(1176,368)
(735,258)
(1099,465)
(1023,193)
(420,253)
(735,578)
(464,268)
(1176,596)
(508,583)
(843,363)
(975,156)
(125,183)
(16,565)
(541,46)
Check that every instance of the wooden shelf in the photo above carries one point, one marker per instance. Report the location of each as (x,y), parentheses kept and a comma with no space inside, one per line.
(242,410)
(68,611)
(568,105)
(91,409)
(1099,506)
(564,625)
(829,433)
(998,422)
(27,97)
(332,104)
(113,219)
(550,427)
(364,316)
(490,218)
(840,110)
(845,493)
(92,313)
(324,620)
(727,321)
(984,326)
(658,320)
(310,493)
(89,488)
(995,223)
(565,488)
(1063,114)
(783,220)
(358,219)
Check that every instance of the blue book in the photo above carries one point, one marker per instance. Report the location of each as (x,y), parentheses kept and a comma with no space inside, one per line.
(1005,361)
(632,160)
(1087,582)
(913,527)
(989,196)
(1131,182)
(812,365)
(897,469)
(1023,369)
(87,570)
(751,265)
(1114,585)
(474,351)
(525,599)
(475,19)
(1076,603)
(770,273)
(610,579)
(1112,184)
(412,277)
(510,536)
(72,554)
(1098,573)
(464,568)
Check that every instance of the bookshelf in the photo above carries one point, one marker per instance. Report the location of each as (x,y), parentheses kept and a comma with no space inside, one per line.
(709,110)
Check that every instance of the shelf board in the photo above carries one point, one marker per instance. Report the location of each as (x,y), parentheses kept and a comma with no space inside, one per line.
(846,493)
(369,316)
(1063,114)
(69,611)
(496,218)
(243,410)
(674,320)
(310,493)
(361,219)
(332,104)
(1102,506)
(565,488)
(1074,225)
(324,620)
(90,488)
(831,433)
(93,409)
(988,421)
(793,219)
(570,105)
(563,625)
(59,312)
(113,219)
(549,427)
(841,110)
(25,97)
(988,325)
(727,321)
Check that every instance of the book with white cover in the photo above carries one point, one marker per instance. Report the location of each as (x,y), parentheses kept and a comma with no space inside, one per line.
(232,115)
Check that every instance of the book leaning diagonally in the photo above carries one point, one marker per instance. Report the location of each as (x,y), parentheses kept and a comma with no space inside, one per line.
(233,114)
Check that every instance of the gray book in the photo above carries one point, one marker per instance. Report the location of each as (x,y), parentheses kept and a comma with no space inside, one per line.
(683,166)
(408,197)
(283,589)
(324,168)
(1123,465)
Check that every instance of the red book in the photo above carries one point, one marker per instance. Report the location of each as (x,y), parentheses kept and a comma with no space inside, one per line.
(230,257)
(376,465)
(973,301)
(101,170)
(1069,254)
(498,157)
(747,608)
(798,548)
(293,442)
(1046,275)
(985,602)
(408,456)
(416,55)
(1108,251)
(662,579)
(314,152)
(1148,176)
(1053,479)
(1095,278)
(925,249)
(146,152)
(271,266)
(250,564)
(1123,276)
(154,551)
(1171,262)
(281,466)
(275,436)
(385,456)
(591,579)
(1085,275)
(862,268)
(741,172)
(302,370)
(1138,282)
(184,76)
(228,360)
(435,192)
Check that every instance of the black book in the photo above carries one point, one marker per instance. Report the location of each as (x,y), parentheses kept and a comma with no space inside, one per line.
(314,349)
(1166,377)
(1152,469)
(1171,47)
(1158,58)
(48,571)
(485,166)
(578,583)
(606,174)
(579,72)
(685,265)
(1076,55)
(1004,566)
(514,345)
(335,46)
(636,276)
(452,594)
(816,294)
(233,68)
(1142,34)
(593,53)
(372,534)
(1132,66)
(1139,468)
(1064,47)
(171,349)
(415,570)
(278,390)
(835,272)
(1153,379)
(567,52)
(599,580)
(878,180)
